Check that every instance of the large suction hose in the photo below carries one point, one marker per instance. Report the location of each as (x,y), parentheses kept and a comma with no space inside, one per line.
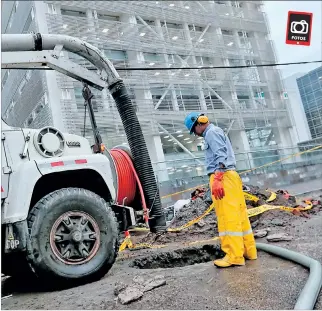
(311,290)
(141,163)
(141,159)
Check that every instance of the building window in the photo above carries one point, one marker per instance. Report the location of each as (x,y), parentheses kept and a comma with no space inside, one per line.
(10,21)
(193,27)
(244,34)
(152,57)
(10,108)
(32,14)
(22,85)
(28,22)
(51,8)
(318,95)
(108,17)
(16,5)
(39,108)
(5,78)
(227,32)
(116,54)
(151,23)
(29,121)
(28,75)
(65,94)
(171,25)
(73,13)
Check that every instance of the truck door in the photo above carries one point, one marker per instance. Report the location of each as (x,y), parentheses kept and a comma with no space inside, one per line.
(12,145)
(4,166)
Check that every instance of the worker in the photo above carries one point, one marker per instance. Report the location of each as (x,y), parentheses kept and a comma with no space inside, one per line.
(235,232)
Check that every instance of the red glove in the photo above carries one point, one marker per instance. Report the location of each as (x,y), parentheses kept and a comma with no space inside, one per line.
(217,186)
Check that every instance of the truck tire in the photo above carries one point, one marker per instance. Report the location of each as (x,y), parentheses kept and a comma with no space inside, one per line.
(74,237)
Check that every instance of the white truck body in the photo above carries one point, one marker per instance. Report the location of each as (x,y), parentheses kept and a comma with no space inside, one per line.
(20,173)
(60,218)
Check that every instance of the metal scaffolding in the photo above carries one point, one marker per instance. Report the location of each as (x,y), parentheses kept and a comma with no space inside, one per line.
(157,34)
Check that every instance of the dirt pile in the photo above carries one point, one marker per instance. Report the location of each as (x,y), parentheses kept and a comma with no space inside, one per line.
(206,228)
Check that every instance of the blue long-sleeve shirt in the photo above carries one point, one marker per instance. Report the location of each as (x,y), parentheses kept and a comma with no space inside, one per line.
(218,150)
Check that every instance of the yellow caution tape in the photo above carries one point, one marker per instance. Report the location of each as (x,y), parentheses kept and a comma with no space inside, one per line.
(250,197)
(251,212)
(193,221)
(127,243)
(263,208)
(272,197)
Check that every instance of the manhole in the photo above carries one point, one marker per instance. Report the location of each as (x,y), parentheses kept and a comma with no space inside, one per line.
(179,258)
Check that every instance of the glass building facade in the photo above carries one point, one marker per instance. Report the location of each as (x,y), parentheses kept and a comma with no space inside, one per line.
(310,87)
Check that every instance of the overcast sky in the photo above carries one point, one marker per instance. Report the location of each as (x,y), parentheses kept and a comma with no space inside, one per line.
(277,12)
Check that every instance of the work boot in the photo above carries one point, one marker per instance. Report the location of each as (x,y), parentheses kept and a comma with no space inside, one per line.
(251,255)
(225,263)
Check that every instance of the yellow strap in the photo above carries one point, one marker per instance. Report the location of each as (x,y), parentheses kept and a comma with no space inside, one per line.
(250,197)
(127,243)
(272,197)
(193,221)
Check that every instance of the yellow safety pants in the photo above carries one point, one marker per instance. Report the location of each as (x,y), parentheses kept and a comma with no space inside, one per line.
(235,231)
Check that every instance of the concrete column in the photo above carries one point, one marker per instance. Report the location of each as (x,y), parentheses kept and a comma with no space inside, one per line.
(245,75)
(90,19)
(285,137)
(106,100)
(174,100)
(201,94)
(241,148)
(157,157)
(54,92)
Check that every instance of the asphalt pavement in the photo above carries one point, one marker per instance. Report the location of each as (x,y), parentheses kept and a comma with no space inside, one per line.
(267,283)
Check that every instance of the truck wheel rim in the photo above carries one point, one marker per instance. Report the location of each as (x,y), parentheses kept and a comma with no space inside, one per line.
(75,238)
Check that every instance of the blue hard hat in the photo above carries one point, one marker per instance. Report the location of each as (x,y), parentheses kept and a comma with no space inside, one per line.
(191,119)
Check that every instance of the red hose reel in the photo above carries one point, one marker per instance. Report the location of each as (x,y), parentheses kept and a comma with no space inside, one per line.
(127,181)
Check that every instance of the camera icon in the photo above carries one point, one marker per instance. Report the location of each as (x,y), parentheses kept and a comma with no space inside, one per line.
(301,27)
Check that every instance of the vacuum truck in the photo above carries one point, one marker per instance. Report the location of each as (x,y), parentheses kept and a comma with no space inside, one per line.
(63,201)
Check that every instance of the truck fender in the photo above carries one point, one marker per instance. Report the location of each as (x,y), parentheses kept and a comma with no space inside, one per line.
(96,162)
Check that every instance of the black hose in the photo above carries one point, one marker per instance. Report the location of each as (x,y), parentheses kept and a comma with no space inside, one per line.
(141,158)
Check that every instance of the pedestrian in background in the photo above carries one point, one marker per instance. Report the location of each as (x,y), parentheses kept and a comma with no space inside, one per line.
(235,231)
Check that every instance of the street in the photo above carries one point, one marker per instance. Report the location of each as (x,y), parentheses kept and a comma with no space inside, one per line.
(268,283)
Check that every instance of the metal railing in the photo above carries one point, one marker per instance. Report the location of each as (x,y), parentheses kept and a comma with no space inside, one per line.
(178,177)
(180,166)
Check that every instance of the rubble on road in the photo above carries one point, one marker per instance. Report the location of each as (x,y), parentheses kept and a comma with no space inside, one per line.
(206,228)
(129,293)
(261,233)
(279,237)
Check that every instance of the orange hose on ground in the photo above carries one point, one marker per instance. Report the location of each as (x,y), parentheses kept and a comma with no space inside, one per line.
(128,180)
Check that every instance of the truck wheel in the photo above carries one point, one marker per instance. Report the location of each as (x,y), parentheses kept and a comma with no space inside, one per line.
(74,236)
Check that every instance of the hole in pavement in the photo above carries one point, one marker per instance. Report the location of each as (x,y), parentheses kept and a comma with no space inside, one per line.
(179,258)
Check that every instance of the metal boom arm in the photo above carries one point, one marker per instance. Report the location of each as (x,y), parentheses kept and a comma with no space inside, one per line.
(107,75)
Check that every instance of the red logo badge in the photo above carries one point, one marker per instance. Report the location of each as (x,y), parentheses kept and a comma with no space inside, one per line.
(299,28)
